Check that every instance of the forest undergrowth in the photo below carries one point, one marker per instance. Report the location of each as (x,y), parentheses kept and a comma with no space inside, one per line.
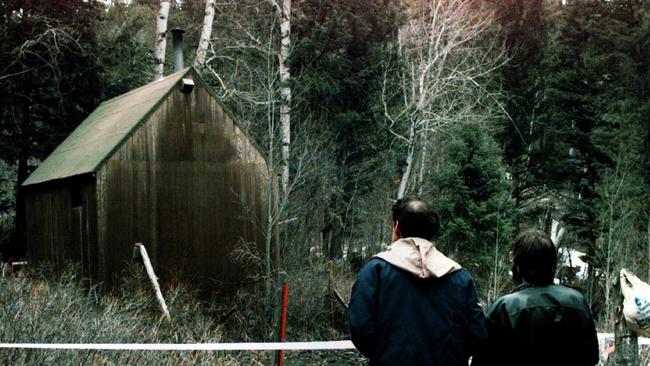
(44,305)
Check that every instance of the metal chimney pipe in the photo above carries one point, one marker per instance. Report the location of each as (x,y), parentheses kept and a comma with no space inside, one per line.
(178,48)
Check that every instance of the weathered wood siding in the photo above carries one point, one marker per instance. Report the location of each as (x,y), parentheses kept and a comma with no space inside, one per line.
(61,222)
(190,186)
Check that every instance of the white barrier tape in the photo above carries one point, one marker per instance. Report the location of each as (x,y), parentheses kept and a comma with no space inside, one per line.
(272,346)
(602,336)
(642,340)
(247,346)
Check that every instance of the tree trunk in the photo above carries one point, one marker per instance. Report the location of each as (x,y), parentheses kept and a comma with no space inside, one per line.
(492,293)
(19,249)
(268,241)
(332,232)
(285,91)
(270,212)
(206,33)
(161,39)
(406,175)
(423,161)
(335,245)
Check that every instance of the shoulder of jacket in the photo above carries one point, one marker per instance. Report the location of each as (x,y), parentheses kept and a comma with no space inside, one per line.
(376,261)
(460,279)
(569,290)
(462,275)
(374,264)
(533,297)
(505,303)
(573,295)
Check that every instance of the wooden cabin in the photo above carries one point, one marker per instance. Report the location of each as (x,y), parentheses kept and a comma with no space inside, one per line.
(164,165)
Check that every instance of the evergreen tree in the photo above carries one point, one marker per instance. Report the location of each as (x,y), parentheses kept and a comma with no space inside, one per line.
(524,29)
(49,80)
(474,201)
(583,123)
(125,35)
(338,63)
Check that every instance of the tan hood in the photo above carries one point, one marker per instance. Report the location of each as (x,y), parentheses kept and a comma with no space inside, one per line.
(420,257)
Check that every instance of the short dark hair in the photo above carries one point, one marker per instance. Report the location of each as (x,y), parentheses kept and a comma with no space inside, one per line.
(534,258)
(416,218)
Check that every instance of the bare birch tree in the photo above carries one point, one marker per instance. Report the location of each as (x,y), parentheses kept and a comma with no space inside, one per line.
(252,74)
(206,33)
(283,11)
(440,68)
(161,39)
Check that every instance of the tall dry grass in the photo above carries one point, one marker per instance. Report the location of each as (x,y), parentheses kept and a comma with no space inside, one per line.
(43,305)
(46,306)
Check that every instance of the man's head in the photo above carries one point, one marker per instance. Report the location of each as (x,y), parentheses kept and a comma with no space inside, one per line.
(534,258)
(414,217)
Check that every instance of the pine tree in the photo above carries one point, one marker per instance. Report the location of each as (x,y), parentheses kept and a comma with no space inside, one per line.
(582,124)
(339,67)
(49,82)
(474,201)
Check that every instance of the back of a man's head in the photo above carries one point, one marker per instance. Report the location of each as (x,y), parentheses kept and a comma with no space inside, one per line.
(416,218)
(534,258)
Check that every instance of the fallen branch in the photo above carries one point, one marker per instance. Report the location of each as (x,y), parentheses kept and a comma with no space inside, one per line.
(332,288)
(154,280)
(340,299)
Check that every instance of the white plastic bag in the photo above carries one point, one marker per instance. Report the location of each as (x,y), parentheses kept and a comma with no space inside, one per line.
(636,305)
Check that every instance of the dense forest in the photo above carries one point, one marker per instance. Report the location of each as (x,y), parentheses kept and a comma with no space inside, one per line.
(505,114)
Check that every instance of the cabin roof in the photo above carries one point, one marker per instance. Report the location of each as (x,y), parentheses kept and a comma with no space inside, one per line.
(103,131)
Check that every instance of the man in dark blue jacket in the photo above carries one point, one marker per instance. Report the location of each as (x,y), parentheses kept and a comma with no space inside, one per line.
(412,305)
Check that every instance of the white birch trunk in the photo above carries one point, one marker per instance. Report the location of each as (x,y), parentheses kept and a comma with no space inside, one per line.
(161,39)
(401,191)
(268,240)
(436,94)
(557,232)
(206,33)
(423,161)
(285,92)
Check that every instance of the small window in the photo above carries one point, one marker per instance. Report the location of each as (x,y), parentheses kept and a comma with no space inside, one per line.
(75,195)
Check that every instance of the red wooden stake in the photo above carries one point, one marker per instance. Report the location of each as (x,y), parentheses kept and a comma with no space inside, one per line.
(283,319)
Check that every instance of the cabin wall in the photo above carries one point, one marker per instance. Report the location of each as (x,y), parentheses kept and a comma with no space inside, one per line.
(190,186)
(61,222)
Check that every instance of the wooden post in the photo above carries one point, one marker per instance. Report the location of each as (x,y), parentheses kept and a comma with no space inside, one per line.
(154,280)
(626,343)
(283,295)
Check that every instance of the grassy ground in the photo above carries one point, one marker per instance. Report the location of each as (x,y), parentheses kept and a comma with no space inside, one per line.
(40,305)
(44,306)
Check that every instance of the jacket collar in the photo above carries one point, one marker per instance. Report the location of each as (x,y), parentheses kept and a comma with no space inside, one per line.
(419,257)
(525,285)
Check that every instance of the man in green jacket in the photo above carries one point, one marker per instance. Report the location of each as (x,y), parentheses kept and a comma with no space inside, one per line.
(539,323)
